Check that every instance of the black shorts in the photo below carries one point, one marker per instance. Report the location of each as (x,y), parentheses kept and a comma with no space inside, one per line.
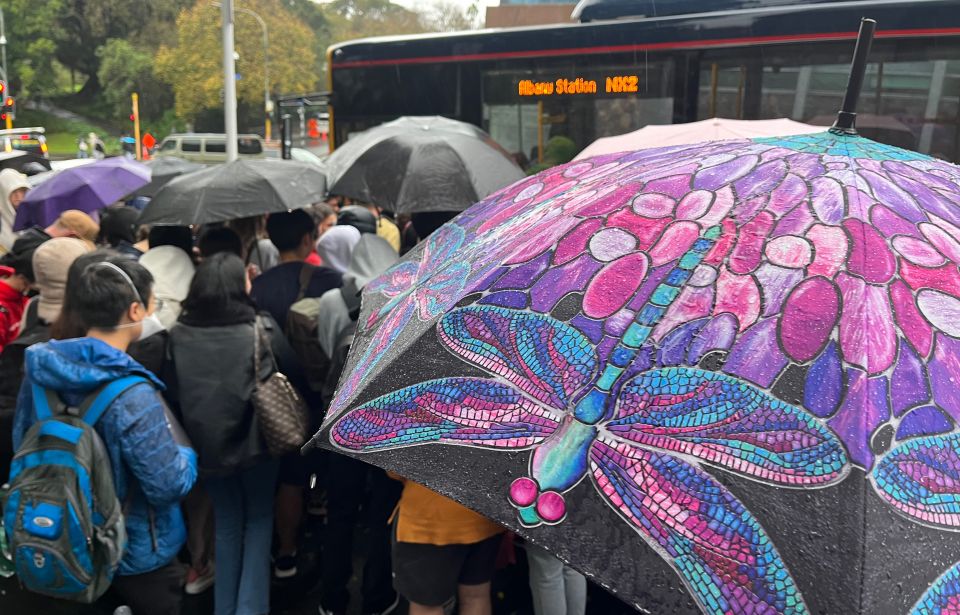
(429,574)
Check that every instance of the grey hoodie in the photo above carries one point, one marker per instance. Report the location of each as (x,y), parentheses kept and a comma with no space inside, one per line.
(371,257)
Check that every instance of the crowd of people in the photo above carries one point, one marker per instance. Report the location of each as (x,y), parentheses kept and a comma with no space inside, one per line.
(199,317)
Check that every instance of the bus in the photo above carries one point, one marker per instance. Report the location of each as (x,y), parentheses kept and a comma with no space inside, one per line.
(616,71)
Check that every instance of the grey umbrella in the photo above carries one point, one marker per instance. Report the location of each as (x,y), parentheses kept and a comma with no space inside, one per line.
(164,170)
(417,164)
(236,190)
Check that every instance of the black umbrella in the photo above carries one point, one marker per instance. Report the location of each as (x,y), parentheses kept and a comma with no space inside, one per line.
(236,190)
(421,164)
(165,169)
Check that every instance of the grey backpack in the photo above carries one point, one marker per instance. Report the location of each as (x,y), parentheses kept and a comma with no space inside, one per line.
(63,520)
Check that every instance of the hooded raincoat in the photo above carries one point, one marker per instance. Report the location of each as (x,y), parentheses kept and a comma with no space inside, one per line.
(372,255)
(151,472)
(10,180)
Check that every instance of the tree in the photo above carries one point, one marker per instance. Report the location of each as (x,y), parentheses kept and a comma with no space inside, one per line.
(77,29)
(352,19)
(193,65)
(446,16)
(125,69)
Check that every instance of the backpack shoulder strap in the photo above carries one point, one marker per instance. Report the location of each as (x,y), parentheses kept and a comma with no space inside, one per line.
(306,274)
(46,402)
(97,402)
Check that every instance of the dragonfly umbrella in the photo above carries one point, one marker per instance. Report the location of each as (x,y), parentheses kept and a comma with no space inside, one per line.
(236,190)
(88,188)
(420,164)
(715,378)
(163,170)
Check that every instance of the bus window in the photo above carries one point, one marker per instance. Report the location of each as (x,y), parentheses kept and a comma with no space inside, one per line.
(910,97)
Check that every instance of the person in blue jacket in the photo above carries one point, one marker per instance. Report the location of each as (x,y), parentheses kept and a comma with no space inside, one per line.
(152,472)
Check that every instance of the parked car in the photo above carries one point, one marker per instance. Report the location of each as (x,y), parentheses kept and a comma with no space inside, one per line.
(30,140)
(297,153)
(209,148)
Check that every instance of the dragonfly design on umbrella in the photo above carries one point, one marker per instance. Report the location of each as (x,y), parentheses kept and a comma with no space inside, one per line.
(637,434)
(920,479)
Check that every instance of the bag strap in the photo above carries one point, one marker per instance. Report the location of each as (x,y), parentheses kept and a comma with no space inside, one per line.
(258,331)
(96,404)
(306,274)
(45,400)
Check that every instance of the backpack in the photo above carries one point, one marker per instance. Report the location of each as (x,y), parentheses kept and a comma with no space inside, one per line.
(302,333)
(63,520)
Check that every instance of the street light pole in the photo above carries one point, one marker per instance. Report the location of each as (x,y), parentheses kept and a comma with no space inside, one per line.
(229,80)
(267,106)
(3,48)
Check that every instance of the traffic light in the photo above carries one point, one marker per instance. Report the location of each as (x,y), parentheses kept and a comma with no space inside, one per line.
(9,108)
(3,88)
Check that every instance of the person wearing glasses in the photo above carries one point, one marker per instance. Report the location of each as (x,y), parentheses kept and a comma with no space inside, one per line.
(152,469)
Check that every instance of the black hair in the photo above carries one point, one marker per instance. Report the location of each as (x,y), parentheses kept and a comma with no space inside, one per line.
(218,293)
(426,222)
(20,256)
(102,295)
(359,218)
(286,229)
(118,224)
(171,235)
(216,239)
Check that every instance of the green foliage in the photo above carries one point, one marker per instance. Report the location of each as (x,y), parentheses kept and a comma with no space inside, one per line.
(125,69)
(558,150)
(62,134)
(193,65)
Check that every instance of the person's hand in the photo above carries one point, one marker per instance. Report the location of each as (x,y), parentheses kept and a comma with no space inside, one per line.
(252,271)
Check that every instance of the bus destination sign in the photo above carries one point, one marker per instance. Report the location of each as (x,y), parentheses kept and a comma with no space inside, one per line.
(617,84)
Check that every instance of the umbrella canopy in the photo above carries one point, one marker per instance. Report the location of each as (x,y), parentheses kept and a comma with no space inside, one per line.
(420,164)
(236,190)
(87,188)
(715,129)
(725,371)
(163,170)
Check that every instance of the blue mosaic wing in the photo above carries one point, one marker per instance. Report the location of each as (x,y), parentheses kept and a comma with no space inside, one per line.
(716,546)
(725,421)
(921,479)
(545,358)
(943,597)
(468,411)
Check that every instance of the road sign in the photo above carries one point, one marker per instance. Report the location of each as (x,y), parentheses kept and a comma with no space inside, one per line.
(149,141)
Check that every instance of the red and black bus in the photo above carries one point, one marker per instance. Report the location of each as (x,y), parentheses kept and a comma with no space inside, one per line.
(619,72)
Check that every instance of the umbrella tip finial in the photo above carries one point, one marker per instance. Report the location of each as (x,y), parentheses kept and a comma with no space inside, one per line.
(847,116)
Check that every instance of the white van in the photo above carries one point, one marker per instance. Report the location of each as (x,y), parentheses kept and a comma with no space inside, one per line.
(209,148)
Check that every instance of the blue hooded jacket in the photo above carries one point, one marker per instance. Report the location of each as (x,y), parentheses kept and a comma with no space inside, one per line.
(151,472)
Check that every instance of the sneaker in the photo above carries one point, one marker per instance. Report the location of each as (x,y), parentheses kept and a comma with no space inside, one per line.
(285,566)
(198,582)
(324,611)
(390,609)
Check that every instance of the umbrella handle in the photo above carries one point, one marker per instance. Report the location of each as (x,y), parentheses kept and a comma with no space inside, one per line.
(847,116)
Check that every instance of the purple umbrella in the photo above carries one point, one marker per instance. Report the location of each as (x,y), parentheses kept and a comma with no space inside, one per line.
(87,188)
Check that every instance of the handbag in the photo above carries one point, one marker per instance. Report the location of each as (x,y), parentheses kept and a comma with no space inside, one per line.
(280,411)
